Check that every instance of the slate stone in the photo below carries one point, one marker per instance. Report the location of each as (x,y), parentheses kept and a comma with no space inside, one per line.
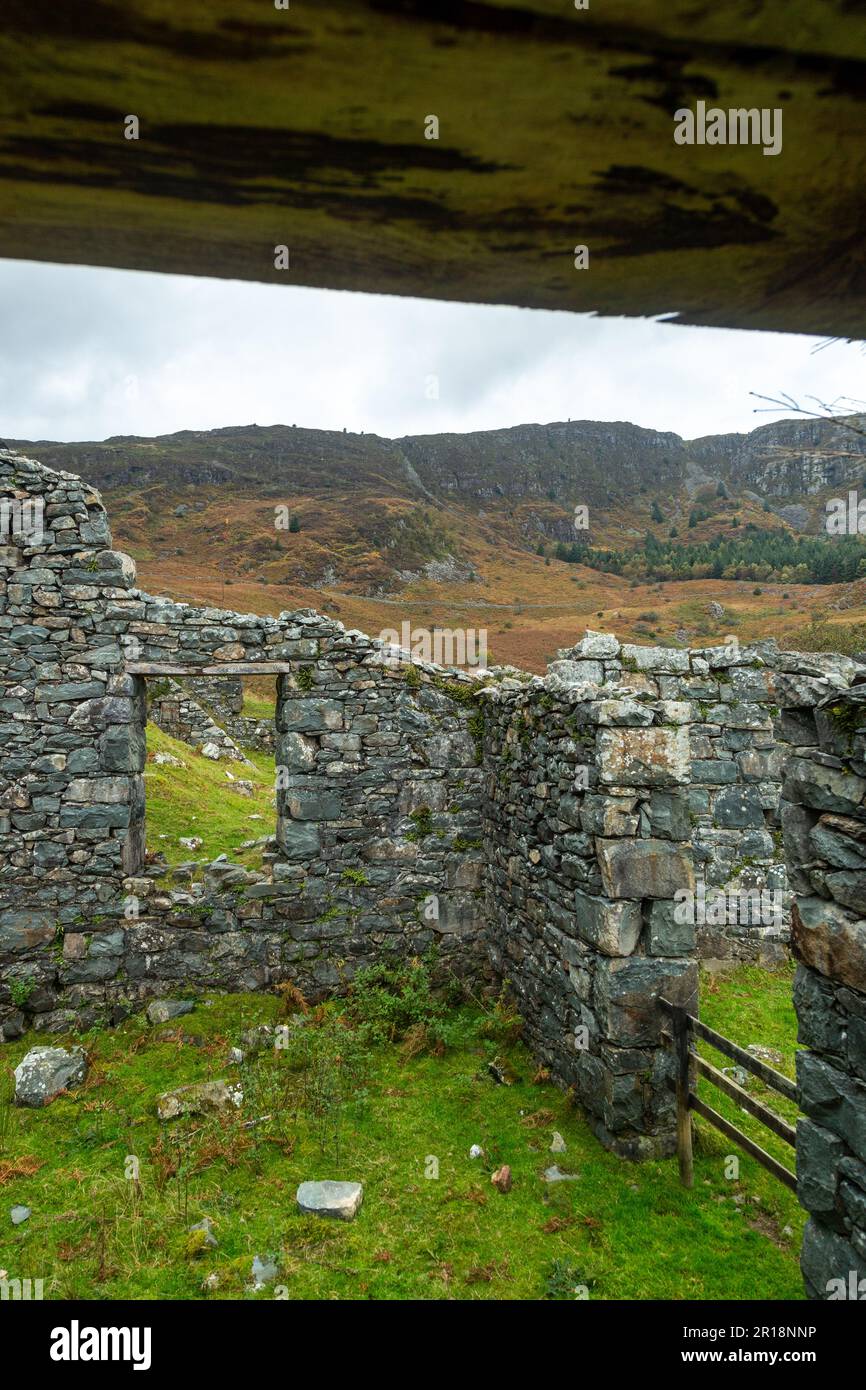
(264,1271)
(555,1174)
(341,1200)
(197,1099)
(819,1153)
(665,935)
(738,808)
(162,1010)
(828,1262)
(307,716)
(827,937)
(298,839)
(821,787)
(626,993)
(644,868)
(848,887)
(820,1025)
(612,927)
(833,1100)
(657,757)
(46,1071)
(669,815)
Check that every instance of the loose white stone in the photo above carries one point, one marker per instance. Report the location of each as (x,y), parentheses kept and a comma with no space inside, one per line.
(337,1199)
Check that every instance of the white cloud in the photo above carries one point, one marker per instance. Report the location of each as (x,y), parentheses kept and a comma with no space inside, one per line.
(88,352)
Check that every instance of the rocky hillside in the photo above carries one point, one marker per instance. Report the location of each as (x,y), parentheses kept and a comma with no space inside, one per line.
(478,529)
(381,510)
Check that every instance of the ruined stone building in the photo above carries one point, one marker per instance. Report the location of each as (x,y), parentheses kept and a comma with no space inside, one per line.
(535,830)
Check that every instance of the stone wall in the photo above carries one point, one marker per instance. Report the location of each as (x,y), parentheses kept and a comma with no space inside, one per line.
(538,829)
(378,804)
(824,822)
(382,776)
(534,830)
(224,701)
(738,744)
(175,711)
(587,828)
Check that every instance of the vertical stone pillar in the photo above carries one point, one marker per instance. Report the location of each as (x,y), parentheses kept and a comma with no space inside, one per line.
(824,826)
(587,844)
(640,818)
(304,797)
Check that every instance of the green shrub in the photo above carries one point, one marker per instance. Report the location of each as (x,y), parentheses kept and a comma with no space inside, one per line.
(422,824)
(565,1279)
(389,1000)
(331,1061)
(821,636)
(20,991)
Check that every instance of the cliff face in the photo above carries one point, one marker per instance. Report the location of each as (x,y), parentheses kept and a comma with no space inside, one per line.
(374,514)
(790,460)
(598,463)
(591,461)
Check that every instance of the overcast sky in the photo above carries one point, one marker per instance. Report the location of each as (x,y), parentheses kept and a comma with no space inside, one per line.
(86,353)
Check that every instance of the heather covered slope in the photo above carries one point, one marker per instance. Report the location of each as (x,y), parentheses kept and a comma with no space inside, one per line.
(474,530)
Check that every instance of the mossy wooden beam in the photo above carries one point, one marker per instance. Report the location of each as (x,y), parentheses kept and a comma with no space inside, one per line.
(306,128)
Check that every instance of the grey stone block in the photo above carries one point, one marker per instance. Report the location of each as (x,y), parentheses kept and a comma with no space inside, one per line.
(644,868)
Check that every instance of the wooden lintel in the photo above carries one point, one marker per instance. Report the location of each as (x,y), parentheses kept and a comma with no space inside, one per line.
(223,668)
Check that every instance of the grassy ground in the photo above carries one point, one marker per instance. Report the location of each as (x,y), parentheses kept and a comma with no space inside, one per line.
(753,1006)
(259,705)
(624,1231)
(197,799)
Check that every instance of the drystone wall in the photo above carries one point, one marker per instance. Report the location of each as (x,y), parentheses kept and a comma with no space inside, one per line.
(224,701)
(587,833)
(738,742)
(824,823)
(533,829)
(178,714)
(377,808)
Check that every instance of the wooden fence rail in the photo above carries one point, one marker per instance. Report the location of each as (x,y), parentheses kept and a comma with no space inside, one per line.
(684,1028)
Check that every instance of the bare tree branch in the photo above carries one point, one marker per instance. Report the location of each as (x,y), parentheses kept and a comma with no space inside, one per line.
(826,410)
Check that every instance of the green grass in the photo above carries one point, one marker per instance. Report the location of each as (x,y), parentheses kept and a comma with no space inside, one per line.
(628,1231)
(753,1005)
(197,799)
(258,706)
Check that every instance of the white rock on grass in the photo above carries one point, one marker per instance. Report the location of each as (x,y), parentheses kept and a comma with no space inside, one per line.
(555,1174)
(338,1199)
(198,1099)
(264,1271)
(46,1071)
(162,1010)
